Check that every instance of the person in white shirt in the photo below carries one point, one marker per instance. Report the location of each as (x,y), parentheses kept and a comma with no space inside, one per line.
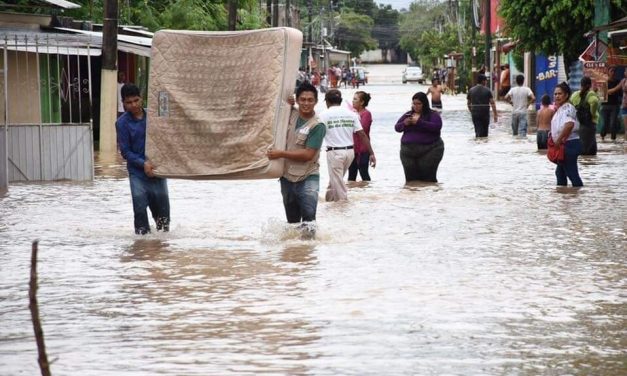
(121,82)
(341,123)
(520,97)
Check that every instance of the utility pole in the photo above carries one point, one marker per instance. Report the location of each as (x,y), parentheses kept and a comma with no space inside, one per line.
(232,14)
(288,18)
(309,28)
(275,13)
(488,35)
(109,77)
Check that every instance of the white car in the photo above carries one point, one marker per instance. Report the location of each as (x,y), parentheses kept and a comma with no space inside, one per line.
(413,74)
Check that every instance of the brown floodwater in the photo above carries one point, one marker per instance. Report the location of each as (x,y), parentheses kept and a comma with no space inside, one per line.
(491,271)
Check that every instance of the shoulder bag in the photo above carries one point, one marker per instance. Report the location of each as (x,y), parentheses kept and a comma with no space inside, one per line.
(554,153)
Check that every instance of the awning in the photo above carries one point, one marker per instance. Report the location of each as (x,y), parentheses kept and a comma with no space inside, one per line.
(56,50)
(127,43)
(617,33)
(61,4)
(139,31)
(618,24)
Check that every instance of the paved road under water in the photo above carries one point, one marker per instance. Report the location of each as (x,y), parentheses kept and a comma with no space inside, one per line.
(492,271)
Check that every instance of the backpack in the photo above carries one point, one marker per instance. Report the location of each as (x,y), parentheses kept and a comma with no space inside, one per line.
(584,115)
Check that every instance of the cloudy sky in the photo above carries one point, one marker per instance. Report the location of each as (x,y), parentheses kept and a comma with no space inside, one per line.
(396,4)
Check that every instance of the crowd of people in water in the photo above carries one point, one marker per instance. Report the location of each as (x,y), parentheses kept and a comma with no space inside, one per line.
(335,77)
(568,124)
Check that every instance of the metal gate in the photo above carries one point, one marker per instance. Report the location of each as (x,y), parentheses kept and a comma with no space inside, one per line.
(47,107)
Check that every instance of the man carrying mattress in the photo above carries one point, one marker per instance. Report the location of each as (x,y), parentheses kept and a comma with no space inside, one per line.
(300,182)
(147,190)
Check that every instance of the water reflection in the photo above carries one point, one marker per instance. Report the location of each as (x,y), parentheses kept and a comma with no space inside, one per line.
(303,254)
(203,298)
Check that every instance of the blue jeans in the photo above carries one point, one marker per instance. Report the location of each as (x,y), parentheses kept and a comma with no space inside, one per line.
(568,168)
(300,199)
(150,193)
(519,124)
(542,137)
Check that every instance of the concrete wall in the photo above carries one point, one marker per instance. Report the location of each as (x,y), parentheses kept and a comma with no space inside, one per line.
(373,56)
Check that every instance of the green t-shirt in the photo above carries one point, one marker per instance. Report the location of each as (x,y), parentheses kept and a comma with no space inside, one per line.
(316,134)
(314,140)
(593,101)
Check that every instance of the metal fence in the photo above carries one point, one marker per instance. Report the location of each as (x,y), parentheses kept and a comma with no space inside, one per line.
(46,106)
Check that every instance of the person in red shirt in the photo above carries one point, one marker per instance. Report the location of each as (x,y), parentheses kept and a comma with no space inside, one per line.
(362,155)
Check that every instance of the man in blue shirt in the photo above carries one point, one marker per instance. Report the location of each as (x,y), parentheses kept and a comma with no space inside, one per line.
(146,189)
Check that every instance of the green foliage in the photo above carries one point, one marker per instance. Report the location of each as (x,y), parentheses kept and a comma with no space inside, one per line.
(432,29)
(424,16)
(549,26)
(518,58)
(367,7)
(386,27)
(174,14)
(194,15)
(353,33)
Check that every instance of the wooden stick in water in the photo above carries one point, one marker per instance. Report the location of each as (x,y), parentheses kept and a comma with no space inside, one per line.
(34,312)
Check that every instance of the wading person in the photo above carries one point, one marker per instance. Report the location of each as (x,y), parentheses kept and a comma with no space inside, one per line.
(147,191)
(121,82)
(341,123)
(609,108)
(520,97)
(479,100)
(300,182)
(504,81)
(362,155)
(586,103)
(545,114)
(621,87)
(422,147)
(436,94)
(565,130)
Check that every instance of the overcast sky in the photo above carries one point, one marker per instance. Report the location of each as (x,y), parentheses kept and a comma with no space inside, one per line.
(396,4)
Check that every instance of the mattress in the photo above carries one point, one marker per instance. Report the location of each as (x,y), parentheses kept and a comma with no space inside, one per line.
(217,101)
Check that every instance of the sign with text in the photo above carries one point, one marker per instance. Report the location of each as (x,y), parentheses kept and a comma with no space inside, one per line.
(597,71)
(546,77)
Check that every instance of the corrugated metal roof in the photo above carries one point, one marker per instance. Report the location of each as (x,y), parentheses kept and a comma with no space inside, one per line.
(127,43)
(62,4)
(142,41)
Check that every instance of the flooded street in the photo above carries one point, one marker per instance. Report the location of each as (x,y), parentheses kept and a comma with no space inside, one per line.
(491,271)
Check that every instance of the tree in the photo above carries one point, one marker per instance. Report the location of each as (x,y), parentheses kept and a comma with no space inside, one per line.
(175,14)
(549,26)
(423,16)
(367,7)
(386,30)
(353,32)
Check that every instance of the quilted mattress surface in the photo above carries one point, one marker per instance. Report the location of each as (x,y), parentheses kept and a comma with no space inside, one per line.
(217,101)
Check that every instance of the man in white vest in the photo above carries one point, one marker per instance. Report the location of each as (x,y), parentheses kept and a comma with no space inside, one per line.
(300,183)
(341,123)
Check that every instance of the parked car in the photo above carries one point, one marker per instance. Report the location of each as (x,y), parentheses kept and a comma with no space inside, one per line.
(362,75)
(413,74)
